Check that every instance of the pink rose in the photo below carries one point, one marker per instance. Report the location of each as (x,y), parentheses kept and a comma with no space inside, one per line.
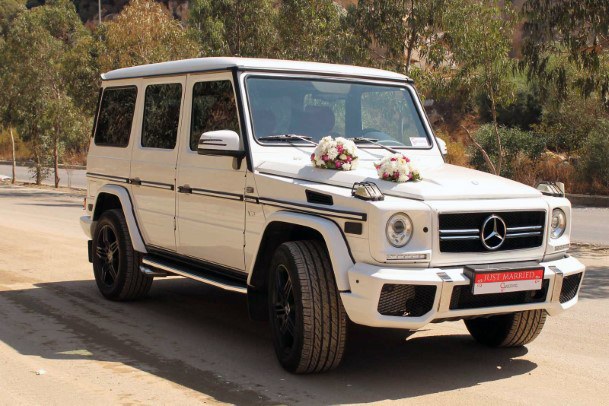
(349,159)
(338,164)
(324,158)
(313,156)
(339,148)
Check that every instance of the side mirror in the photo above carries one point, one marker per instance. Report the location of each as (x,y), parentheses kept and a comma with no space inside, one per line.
(442,145)
(220,143)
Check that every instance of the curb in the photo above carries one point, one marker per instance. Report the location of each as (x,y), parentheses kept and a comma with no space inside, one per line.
(588,200)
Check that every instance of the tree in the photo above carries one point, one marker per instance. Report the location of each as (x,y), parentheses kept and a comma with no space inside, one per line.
(479,34)
(400,28)
(9,9)
(310,30)
(235,27)
(577,29)
(33,69)
(144,33)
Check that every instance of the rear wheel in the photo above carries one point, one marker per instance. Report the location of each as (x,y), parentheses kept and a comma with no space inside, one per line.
(307,318)
(509,330)
(115,262)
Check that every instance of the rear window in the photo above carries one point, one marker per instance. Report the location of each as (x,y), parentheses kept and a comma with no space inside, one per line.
(115,116)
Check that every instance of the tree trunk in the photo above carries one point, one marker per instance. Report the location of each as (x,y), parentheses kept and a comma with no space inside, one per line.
(14,158)
(497,136)
(56,162)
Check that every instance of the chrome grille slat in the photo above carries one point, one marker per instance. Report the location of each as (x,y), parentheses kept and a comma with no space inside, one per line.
(460,232)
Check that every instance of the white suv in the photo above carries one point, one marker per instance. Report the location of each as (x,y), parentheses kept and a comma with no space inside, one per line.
(201,168)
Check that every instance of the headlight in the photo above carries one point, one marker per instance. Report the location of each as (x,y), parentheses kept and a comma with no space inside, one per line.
(399,230)
(558,224)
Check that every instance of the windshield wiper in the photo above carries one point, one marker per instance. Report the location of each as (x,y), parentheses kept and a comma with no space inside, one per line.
(373,141)
(288,138)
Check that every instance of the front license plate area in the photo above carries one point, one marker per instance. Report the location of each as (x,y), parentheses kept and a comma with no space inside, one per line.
(505,278)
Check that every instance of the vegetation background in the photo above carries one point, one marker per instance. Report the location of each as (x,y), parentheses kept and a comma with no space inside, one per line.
(518,88)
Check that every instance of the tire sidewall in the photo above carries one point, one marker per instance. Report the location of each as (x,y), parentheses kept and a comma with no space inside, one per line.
(289,359)
(110,218)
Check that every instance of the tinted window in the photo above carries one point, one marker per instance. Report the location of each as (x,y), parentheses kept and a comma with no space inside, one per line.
(115,116)
(213,108)
(161,115)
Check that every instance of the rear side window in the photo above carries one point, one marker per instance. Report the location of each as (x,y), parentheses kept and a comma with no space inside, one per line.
(161,115)
(213,108)
(115,116)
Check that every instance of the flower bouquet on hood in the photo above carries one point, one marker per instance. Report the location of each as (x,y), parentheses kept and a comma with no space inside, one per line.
(337,154)
(397,168)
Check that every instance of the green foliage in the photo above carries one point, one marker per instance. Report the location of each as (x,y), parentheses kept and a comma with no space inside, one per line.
(310,30)
(515,142)
(144,33)
(567,123)
(522,111)
(579,28)
(594,164)
(400,27)
(235,27)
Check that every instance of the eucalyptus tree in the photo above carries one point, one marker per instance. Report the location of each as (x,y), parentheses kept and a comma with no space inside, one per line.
(235,27)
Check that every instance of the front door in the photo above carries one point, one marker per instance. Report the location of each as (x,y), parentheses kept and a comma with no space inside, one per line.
(210,205)
(153,161)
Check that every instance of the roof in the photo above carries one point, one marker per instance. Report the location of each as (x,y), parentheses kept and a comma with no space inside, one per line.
(224,63)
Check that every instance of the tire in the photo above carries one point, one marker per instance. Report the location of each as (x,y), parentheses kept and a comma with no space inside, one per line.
(307,317)
(115,263)
(509,330)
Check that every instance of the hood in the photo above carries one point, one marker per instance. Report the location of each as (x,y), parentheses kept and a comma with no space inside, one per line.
(440,182)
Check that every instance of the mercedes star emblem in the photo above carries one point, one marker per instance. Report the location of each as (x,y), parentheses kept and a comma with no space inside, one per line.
(492,233)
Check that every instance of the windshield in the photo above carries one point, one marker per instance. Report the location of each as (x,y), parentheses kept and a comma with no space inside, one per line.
(316,108)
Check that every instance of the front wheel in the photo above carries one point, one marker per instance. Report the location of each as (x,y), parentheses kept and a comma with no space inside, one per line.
(508,330)
(115,262)
(307,318)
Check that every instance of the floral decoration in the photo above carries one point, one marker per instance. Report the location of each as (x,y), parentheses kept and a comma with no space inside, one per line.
(337,154)
(397,168)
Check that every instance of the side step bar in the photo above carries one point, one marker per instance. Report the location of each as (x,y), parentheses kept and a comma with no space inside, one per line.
(154,266)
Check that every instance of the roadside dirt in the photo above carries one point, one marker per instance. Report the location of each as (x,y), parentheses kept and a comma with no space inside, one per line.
(192,344)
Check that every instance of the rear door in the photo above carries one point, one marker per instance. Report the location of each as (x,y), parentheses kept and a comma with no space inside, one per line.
(153,162)
(210,204)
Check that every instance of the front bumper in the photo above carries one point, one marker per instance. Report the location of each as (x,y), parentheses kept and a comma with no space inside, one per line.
(367,281)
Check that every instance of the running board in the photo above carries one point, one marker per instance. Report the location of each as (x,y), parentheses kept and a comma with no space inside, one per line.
(155,266)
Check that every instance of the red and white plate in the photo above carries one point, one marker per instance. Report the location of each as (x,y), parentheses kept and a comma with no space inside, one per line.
(507,281)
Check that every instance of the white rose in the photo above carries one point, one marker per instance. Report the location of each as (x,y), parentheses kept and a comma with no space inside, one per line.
(332,153)
(342,157)
(347,167)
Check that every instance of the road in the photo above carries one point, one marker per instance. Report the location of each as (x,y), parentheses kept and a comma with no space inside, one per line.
(68,177)
(590,225)
(190,344)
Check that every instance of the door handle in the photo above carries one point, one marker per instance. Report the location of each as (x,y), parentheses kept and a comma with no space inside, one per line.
(184,189)
(136,181)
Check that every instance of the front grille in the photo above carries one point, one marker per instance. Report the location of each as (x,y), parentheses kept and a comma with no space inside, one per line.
(406,300)
(570,284)
(460,232)
(463,298)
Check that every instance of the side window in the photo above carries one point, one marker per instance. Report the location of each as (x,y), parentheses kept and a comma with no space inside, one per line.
(115,116)
(213,108)
(161,115)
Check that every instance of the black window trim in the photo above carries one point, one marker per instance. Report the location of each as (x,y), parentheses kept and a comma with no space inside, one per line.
(101,98)
(237,101)
(406,84)
(182,93)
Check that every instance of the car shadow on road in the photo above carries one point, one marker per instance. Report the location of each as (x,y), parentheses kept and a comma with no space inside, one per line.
(201,338)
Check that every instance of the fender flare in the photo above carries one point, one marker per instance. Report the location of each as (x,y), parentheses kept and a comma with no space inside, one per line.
(123,196)
(335,240)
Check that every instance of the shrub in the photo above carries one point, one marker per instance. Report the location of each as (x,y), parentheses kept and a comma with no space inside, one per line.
(524,111)
(594,163)
(516,145)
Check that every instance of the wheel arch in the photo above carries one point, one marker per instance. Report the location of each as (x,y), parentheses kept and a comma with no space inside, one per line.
(117,197)
(284,226)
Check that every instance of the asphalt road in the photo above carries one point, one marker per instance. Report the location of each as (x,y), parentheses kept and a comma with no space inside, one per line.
(74,178)
(62,343)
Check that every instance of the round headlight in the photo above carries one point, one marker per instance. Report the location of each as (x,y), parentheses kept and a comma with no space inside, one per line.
(399,230)
(558,224)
